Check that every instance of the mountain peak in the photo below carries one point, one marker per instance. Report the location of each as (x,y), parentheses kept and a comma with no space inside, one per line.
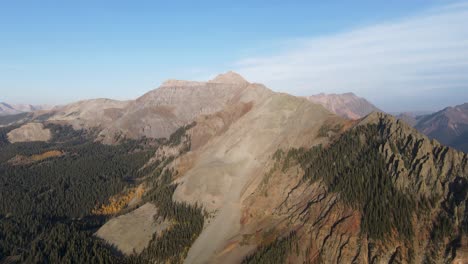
(174,82)
(350,94)
(229,77)
(374,118)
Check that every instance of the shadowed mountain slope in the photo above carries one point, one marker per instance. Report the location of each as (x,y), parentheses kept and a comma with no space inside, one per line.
(449,126)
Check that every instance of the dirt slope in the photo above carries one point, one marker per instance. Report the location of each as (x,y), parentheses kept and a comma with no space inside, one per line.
(230,163)
(29,132)
(132,232)
(347,105)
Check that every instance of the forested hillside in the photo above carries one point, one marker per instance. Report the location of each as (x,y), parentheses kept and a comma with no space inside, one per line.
(45,205)
(410,196)
(47,201)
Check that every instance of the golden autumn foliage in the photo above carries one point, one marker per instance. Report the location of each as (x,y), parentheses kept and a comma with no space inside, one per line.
(46,155)
(119,202)
(23,160)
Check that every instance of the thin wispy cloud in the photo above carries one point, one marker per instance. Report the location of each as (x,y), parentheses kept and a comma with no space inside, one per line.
(423,56)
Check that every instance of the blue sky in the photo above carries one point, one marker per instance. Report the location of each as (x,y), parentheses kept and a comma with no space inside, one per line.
(57,52)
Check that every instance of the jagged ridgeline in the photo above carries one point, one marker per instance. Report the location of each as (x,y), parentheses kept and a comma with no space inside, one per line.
(50,193)
(410,194)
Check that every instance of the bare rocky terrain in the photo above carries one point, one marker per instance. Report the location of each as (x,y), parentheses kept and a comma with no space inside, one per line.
(347,105)
(29,132)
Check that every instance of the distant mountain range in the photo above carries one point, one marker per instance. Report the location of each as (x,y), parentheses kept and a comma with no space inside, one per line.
(132,119)
(12,109)
(158,113)
(449,126)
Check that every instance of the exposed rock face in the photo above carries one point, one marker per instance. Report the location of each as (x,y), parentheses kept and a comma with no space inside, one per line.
(418,164)
(29,132)
(329,230)
(347,105)
(449,126)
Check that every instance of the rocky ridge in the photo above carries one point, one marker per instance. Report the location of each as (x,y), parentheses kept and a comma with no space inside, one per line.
(328,228)
(347,105)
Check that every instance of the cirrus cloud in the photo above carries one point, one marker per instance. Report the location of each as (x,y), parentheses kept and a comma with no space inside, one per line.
(416,63)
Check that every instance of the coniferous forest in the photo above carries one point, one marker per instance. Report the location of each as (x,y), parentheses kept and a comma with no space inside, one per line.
(173,244)
(353,167)
(46,203)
